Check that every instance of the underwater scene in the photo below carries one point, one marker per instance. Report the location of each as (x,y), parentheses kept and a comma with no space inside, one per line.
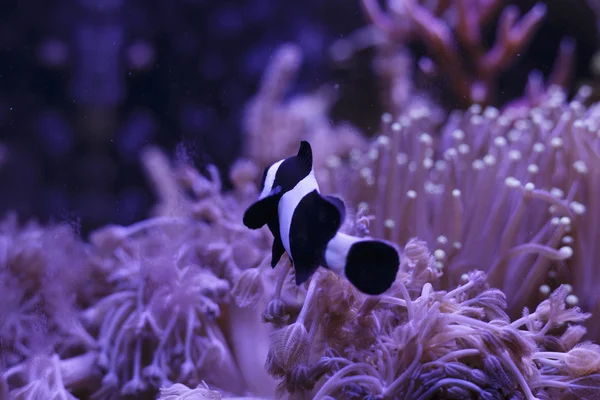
(317,199)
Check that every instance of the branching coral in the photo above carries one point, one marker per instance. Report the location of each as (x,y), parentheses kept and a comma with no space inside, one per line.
(453,34)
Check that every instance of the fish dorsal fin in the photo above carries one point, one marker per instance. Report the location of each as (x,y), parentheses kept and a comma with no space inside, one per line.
(305,154)
(339,204)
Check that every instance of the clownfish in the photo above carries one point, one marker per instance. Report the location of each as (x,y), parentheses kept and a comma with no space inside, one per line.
(306,225)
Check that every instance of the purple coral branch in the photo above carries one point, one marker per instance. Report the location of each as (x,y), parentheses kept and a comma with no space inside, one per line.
(512,38)
(376,16)
(444,36)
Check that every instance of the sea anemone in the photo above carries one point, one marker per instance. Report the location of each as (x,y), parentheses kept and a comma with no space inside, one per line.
(419,343)
(53,378)
(42,277)
(166,315)
(502,199)
(45,352)
(505,192)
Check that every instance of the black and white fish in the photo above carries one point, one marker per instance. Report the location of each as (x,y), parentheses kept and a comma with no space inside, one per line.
(306,224)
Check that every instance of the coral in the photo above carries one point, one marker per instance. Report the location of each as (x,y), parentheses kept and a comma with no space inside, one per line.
(201,392)
(165,318)
(503,191)
(162,315)
(453,32)
(179,391)
(506,192)
(53,378)
(141,306)
(42,275)
(175,296)
(45,352)
(416,342)
(495,211)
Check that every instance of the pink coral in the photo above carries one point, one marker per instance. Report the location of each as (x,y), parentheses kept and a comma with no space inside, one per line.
(453,32)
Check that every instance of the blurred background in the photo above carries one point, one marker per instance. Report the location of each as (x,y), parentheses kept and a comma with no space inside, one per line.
(85,84)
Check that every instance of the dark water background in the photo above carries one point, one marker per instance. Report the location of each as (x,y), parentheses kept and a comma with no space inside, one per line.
(85,84)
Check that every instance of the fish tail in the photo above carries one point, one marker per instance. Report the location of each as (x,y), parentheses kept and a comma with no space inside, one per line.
(370,265)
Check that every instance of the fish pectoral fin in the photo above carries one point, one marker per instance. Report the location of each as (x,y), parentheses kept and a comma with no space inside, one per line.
(339,204)
(263,210)
(276,251)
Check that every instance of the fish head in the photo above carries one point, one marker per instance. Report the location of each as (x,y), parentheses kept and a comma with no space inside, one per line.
(277,179)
